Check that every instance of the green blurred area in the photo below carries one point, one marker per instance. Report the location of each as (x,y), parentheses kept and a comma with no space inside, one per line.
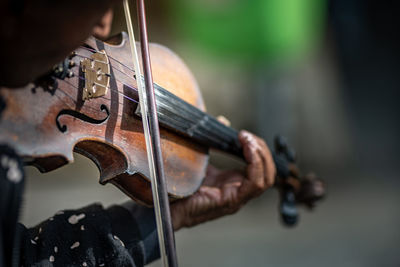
(250,30)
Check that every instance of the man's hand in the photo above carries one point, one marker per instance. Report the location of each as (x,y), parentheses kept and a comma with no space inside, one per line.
(225,192)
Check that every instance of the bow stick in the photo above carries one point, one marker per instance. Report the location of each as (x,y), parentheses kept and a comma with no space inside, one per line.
(152,136)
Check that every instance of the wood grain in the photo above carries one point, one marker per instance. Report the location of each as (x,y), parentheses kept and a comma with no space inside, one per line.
(116,146)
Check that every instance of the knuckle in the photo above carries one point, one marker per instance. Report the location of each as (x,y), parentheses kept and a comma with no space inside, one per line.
(263,143)
(257,161)
(260,185)
(270,181)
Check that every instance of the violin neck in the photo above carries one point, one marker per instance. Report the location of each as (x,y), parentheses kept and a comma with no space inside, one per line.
(180,116)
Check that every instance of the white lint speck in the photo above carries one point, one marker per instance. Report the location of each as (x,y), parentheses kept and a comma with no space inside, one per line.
(40,230)
(74,219)
(33,242)
(14,174)
(117,238)
(51,259)
(36,238)
(101,264)
(82,227)
(84,263)
(75,245)
(60,212)
(51,218)
(55,249)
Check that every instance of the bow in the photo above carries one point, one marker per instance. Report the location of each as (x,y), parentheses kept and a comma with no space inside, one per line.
(148,110)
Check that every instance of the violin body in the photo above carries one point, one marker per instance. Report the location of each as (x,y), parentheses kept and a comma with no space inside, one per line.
(45,122)
(89,104)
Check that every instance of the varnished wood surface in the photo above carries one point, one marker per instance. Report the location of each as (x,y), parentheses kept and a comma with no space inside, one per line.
(117,146)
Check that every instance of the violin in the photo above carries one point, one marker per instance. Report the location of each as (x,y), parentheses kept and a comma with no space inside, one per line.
(88,104)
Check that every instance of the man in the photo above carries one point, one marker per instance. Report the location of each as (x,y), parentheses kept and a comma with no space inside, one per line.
(36,35)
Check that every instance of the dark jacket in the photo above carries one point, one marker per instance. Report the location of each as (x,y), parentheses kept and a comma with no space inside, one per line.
(121,236)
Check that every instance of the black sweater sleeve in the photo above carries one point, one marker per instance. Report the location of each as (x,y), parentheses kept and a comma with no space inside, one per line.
(92,236)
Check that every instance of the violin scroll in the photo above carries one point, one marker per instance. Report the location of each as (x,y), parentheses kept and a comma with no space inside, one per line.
(294,188)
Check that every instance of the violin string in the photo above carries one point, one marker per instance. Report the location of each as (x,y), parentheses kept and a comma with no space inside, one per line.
(116,60)
(75,87)
(129,76)
(89,107)
(58,89)
(112,78)
(112,89)
(97,51)
(115,90)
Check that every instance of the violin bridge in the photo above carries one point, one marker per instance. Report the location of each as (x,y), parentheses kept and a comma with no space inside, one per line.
(97,75)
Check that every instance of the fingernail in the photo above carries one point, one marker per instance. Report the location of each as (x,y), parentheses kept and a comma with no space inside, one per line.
(246,135)
(253,142)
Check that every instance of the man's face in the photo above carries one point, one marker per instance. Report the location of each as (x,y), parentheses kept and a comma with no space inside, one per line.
(103,27)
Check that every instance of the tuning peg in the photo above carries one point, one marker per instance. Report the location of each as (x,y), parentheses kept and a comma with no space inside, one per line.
(291,155)
(282,166)
(288,209)
(282,147)
(280,143)
(71,63)
(311,190)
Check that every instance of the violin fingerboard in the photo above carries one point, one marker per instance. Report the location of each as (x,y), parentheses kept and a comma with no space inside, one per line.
(185,119)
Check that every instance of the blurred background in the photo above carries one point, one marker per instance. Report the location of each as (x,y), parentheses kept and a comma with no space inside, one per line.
(324,73)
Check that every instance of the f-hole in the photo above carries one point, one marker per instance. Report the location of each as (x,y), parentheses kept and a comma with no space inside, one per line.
(76,114)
